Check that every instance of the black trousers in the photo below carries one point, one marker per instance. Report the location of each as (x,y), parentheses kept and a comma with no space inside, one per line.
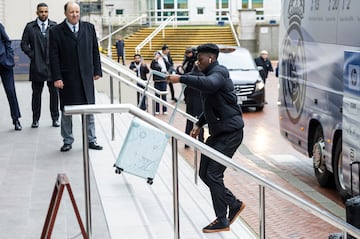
(142,98)
(7,78)
(122,58)
(172,92)
(37,88)
(212,172)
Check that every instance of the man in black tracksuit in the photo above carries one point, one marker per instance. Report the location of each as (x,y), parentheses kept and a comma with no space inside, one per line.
(224,118)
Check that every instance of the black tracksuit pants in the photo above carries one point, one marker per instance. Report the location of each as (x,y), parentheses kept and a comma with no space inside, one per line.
(212,172)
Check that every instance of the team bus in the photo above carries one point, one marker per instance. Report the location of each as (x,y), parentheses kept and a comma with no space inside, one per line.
(314,36)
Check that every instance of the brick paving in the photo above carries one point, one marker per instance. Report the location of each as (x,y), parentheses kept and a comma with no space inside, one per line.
(261,147)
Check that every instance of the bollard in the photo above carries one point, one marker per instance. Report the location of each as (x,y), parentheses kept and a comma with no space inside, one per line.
(353,212)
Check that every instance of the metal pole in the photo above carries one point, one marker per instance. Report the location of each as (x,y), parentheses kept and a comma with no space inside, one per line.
(112,102)
(109,40)
(111,78)
(344,235)
(175,167)
(86,175)
(119,85)
(196,166)
(262,211)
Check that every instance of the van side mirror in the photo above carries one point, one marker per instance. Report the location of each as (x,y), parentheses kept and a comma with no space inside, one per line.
(260,68)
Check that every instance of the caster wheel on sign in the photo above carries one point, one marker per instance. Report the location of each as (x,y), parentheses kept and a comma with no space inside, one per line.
(150,181)
(118,170)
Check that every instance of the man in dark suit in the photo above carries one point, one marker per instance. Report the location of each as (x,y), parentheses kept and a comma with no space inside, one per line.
(120,49)
(75,64)
(165,53)
(192,96)
(141,70)
(35,44)
(7,76)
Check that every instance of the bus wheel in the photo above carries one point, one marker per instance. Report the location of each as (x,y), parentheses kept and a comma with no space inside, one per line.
(338,172)
(323,176)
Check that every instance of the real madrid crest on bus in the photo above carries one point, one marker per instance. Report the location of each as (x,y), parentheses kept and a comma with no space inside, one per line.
(292,70)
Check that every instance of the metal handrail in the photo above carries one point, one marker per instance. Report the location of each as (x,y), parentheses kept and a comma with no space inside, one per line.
(210,152)
(126,75)
(123,27)
(233,29)
(154,33)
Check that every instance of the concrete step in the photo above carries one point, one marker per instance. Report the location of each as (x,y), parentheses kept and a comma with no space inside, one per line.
(177,39)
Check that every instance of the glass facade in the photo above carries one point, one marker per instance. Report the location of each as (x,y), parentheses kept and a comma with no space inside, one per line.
(169,4)
(167,8)
(254,4)
(162,9)
(245,4)
(222,8)
(182,4)
(258,5)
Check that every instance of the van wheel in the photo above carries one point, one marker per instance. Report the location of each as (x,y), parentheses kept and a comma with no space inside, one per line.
(323,175)
(338,172)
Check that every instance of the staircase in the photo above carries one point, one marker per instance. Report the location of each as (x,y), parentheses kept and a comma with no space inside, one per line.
(177,39)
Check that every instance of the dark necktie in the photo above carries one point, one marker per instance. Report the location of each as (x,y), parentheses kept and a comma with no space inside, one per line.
(74,30)
(43,30)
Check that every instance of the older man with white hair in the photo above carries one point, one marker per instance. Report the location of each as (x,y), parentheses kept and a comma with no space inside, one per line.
(75,65)
(264,61)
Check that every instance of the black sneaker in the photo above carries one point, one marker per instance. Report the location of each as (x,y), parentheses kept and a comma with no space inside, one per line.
(235,211)
(217,226)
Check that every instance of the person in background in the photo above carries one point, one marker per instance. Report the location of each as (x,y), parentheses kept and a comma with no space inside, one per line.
(165,53)
(192,95)
(141,70)
(75,65)
(158,64)
(224,118)
(7,64)
(264,61)
(120,49)
(35,44)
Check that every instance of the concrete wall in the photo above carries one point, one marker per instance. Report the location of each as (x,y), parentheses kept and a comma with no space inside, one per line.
(267,36)
(246,29)
(209,12)
(15,17)
(272,12)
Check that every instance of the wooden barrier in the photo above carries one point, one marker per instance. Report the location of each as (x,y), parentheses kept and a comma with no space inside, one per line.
(61,183)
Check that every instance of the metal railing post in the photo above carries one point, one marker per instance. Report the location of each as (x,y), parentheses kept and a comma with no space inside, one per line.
(112,102)
(86,176)
(119,91)
(344,235)
(262,211)
(175,169)
(196,166)
(206,150)
(233,29)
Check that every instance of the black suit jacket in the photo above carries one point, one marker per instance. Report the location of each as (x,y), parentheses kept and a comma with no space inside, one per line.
(220,108)
(75,61)
(36,47)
